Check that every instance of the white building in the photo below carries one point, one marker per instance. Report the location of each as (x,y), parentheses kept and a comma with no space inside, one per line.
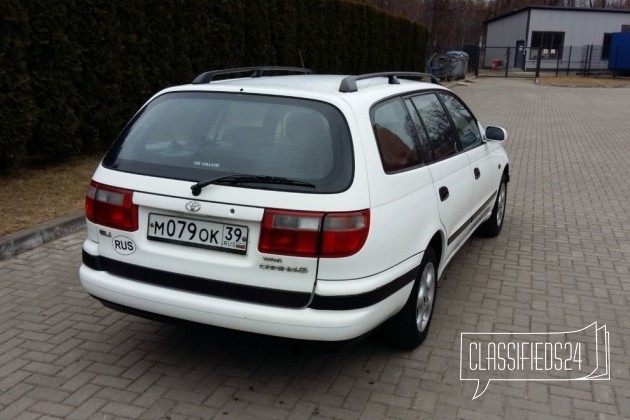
(566,37)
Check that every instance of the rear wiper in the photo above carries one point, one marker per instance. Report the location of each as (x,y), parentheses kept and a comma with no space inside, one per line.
(238,179)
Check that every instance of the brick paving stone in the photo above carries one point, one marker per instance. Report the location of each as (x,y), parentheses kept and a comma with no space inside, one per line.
(87,409)
(47,394)
(373,411)
(560,406)
(265,411)
(16,408)
(561,262)
(57,410)
(304,410)
(81,395)
(15,393)
(123,410)
(26,415)
(161,409)
(116,395)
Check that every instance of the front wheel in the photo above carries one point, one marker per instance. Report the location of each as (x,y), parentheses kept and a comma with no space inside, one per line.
(492,226)
(409,328)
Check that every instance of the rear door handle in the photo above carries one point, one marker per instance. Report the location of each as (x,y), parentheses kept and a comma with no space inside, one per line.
(443,193)
(477,173)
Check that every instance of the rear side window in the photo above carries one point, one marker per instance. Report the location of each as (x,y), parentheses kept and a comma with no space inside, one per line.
(196,136)
(395,135)
(437,125)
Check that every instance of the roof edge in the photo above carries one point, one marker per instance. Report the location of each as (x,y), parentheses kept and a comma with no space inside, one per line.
(558,8)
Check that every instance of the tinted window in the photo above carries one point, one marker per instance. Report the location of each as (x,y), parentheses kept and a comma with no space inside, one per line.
(395,135)
(197,136)
(437,125)
(426,153)
(465,123)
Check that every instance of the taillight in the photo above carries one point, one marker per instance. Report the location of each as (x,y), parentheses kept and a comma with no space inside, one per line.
(111,207)
(310,234)
(344,234)
(290,233)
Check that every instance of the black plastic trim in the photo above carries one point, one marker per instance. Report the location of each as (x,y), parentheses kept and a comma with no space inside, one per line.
(470,221)
(249,294)
(366,299)
(91,261)
(139,312)
(198,285)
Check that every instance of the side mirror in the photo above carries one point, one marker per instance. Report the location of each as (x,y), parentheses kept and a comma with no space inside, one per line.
(496,133)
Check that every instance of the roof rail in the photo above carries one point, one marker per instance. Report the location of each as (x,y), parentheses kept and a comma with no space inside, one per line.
(209,76)
(349,84)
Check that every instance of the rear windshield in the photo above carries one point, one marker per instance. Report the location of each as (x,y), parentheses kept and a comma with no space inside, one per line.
(197,136)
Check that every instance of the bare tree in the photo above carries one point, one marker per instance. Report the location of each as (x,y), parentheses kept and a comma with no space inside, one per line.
(453,24)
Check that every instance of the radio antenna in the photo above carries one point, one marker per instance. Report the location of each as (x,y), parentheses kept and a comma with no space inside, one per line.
(301,60)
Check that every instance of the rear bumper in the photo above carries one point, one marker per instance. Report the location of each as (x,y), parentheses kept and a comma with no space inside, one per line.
(338,310)
(304,323)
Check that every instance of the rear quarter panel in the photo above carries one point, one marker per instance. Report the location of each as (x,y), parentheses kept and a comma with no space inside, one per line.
(403,213)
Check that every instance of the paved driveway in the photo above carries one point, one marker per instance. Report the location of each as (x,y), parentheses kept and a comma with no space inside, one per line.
(561,263)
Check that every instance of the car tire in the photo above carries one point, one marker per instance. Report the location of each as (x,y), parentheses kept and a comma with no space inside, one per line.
(492,226)
(409,328)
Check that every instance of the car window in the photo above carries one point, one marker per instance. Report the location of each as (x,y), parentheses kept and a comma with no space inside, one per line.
(426,153)
(437,125)
(202,135)
(395,136)
(465,123)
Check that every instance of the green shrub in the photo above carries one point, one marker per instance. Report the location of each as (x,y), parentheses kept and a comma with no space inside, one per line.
(75,71)
(17,108)
(54,67)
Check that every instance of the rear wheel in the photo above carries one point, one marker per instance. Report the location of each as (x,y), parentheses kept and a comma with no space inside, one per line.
(410,326)
(492,226)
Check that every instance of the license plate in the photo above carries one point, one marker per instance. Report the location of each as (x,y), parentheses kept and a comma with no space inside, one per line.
(198,233)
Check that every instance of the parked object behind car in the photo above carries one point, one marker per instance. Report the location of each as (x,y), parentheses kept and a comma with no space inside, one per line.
(308,206)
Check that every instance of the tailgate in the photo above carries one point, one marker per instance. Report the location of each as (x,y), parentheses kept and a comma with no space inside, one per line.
(209,248)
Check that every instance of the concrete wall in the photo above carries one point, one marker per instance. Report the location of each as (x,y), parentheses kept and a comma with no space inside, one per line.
(580,28)
(504,33)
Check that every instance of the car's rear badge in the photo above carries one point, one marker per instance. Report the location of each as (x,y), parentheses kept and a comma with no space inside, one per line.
(281,268)
(123,245)
(193,206)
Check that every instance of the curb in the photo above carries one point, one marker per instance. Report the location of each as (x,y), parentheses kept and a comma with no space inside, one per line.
(30,238)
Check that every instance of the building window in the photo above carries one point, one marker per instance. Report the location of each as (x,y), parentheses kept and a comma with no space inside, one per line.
(606,46)
(549,43)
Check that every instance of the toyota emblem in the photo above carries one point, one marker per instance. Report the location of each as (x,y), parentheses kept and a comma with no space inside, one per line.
(193,206)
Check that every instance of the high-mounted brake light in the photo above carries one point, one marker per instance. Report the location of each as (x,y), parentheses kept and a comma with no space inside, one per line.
(311,234)
(111,207)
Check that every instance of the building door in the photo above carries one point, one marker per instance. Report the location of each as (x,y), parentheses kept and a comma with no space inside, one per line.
(519,55)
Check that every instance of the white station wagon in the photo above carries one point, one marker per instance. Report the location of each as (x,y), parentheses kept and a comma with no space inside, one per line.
(292,204)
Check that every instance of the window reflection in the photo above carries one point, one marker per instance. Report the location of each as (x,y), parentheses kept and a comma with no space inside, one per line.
(436,124)
(465,123)
(395,134)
